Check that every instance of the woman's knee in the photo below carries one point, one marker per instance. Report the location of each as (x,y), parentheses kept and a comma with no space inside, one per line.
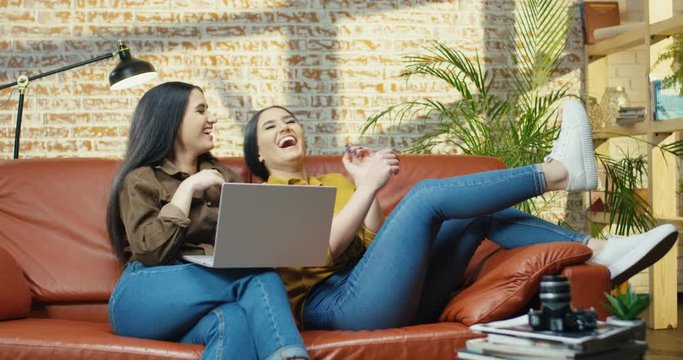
(226,318)
(225,333)
(424,184)
(268,278)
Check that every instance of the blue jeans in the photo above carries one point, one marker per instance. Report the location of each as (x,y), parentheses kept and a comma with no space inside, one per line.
(235,313)
(421,252)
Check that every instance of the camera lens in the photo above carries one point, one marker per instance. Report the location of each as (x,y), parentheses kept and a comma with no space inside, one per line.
(556,313)
(555,291)
(555,298)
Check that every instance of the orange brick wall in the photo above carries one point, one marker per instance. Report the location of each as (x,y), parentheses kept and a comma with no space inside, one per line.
(333,62)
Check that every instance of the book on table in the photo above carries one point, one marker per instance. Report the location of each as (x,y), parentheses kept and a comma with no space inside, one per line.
(490,348)
(465,354)
(517,334)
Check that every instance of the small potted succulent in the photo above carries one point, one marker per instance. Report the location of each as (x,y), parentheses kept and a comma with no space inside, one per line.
(625,306)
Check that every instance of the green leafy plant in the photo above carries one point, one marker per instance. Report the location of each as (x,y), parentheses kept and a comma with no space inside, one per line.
(674,52)
(518,126)
(625,202)
(624,303)
(628,210)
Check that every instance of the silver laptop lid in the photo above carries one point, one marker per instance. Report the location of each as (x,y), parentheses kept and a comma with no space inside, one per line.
(264,225)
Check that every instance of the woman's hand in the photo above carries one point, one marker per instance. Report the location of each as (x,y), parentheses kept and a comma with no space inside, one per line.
(368,168)
(370,171)
(200,181)
(205,179)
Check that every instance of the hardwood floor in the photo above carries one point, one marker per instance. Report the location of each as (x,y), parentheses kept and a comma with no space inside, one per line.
(667,344)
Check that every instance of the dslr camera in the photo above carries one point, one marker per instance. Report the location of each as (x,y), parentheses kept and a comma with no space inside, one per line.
(556,313)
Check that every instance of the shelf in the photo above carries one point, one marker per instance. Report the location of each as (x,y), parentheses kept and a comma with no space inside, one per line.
(617,43)
(657,126)
(622,130)
(663,172)
(667,126)
(636,37)
(667,27)
(676,221)
(599,217)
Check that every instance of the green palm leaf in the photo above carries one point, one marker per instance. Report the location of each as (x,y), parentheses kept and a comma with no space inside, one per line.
(628,210)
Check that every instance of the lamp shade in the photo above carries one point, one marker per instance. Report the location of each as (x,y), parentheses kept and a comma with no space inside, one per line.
(130,71)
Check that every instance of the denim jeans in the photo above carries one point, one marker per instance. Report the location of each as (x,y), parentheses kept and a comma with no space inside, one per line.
(235,313)
(421,252)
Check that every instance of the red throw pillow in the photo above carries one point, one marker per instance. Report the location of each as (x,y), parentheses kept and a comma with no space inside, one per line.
(509,279)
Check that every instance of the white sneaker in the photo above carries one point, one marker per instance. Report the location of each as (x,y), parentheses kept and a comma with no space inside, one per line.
(574,148)
(626,256)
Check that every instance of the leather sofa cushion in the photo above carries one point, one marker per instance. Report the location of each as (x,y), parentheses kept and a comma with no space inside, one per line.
(69,340)
(509,279)
(15,296)
(53,224)
(428,341)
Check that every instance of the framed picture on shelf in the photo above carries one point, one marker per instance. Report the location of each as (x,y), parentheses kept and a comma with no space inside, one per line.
(667,103)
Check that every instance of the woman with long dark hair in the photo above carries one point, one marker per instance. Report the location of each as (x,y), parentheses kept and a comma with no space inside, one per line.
(163,204)
(384,274)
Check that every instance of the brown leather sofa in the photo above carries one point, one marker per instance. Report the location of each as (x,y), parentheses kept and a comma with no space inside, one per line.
(57,270)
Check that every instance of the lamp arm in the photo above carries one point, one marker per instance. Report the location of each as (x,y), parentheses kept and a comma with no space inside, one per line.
(22,82)
(68,67)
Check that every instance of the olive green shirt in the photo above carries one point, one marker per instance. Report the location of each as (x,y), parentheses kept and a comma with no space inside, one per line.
(299,281)
(157,231)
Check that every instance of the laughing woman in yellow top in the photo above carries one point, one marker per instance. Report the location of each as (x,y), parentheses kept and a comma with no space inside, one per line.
(405,272)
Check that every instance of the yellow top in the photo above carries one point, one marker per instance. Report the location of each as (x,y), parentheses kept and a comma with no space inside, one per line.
(299,281)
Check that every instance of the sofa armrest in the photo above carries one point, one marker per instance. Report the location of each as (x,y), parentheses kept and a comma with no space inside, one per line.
(588,283)
(15,296)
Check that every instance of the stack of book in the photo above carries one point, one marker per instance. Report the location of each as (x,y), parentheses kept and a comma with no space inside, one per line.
(515,339)
(629,115)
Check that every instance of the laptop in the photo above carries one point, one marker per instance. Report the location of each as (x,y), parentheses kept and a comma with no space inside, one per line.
(264,225)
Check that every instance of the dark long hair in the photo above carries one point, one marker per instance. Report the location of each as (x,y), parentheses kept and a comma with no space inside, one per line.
(251,144)
(153,129)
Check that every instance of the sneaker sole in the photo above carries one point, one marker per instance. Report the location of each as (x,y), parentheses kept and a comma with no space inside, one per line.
(591,169)
(631,265)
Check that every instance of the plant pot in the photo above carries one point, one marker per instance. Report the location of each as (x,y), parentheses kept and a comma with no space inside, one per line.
(637,324)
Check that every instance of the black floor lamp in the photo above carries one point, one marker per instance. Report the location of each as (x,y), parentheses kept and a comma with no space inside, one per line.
(128,73)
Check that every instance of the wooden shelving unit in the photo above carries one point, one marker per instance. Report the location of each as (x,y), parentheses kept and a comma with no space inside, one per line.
(642,128)
(661,22)
(636,37)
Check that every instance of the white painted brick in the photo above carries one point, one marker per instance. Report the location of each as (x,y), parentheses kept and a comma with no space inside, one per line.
(622,58)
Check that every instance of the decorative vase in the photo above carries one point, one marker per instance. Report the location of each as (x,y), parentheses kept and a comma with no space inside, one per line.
(595,113)
(613,99)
